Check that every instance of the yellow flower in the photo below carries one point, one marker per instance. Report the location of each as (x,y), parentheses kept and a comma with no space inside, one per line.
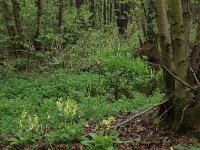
(107,122)
(48,115)
(32,122)
(59,105)
(68,108)
(20,124)
(24,113)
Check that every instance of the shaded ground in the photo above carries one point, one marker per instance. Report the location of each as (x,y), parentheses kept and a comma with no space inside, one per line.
(143,134)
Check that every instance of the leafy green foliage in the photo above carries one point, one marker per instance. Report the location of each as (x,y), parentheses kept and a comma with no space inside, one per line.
(82,94)
(66,134)
(101,141)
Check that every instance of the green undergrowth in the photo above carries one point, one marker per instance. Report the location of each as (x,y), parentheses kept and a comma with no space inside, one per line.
(56,107)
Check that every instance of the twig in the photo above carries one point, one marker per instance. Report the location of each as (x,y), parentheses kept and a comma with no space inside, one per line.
(21,50)
(153,64)
(183,112)
(180,80)
(137,115)
(195,76)
(166,111)
(189,89)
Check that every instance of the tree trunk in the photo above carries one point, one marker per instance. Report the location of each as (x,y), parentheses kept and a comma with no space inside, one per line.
(195,54)
(104,13)
(165,44)
(186,23)
(8,20)
(40,5)
(149,28)
(121,12)
(93,11)
(186,112)
(38,44)
(61,16)
(19,22)
(178,41)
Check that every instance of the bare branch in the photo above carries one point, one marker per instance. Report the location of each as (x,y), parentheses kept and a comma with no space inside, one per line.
(194,74)
(180,80)
(143,112)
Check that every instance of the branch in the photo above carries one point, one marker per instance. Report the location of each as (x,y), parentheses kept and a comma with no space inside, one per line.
(182,116)
(180,80)
(167,110)
(195,76)
(143,112)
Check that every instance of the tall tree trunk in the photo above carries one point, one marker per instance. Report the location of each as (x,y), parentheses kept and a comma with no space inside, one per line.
(8,20)
(19,22)
(121,12)
(195,54)
(104,13)
(40,14)
(93,11)
(149,15)
(186,113)
(111,11)
(186,22)
(180,54)
(40,5)
(61,16)
(165,44)
(166,54)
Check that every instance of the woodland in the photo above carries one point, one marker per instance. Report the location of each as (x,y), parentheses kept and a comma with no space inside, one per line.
(99,75)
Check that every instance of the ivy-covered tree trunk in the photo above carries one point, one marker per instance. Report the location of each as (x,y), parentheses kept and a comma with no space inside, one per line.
(19,22)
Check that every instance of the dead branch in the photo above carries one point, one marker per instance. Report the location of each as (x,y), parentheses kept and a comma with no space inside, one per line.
(167,110)
(139,114)
(182,116)
(195,76)
(180,80)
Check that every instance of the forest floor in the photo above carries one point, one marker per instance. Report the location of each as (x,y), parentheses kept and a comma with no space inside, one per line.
(142,134)
(33,116)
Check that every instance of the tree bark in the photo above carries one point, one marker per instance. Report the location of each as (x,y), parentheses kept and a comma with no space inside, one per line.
(178,40)
(165,44)
(19,22)
(61,16)
(38,44)
(195,54)
(8,20)
(186,112)
(149,28)
(93,11)
(186,22)
(121,12)
(40,14)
